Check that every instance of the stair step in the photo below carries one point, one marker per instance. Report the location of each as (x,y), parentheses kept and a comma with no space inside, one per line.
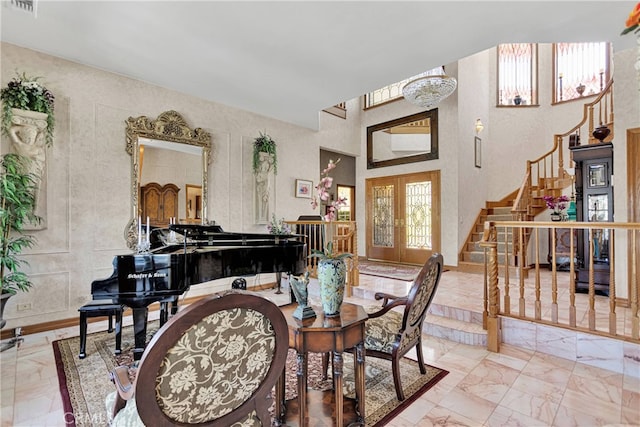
(452,323)
(471,267)
(478,268)
(456,313)
(455,330)
(478,256)
(496,217)
(501,210)
(477,235)
(478,248)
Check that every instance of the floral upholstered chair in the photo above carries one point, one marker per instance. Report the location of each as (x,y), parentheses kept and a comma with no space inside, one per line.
(213,364)
(390,334)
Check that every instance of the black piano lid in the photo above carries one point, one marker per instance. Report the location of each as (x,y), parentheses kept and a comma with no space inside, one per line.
(196,231)
(214,233)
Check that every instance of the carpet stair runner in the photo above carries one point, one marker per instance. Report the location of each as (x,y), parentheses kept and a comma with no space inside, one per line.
(471,258)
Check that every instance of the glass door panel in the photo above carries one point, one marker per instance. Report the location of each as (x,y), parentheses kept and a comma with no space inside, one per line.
(403,217)
(598,211)
(383,220)
(421,213)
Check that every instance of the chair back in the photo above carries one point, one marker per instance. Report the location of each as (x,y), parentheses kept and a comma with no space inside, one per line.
(421,293)
(214,363)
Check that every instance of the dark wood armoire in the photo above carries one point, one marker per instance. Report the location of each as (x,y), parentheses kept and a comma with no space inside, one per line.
(159,203)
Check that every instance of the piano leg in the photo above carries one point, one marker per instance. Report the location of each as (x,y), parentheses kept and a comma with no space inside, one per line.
(174,306)
(140,331)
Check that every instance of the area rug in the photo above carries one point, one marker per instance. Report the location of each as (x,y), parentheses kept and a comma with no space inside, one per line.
(84,383)
(391,271)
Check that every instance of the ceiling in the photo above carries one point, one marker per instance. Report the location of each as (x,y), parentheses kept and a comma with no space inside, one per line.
(289,60)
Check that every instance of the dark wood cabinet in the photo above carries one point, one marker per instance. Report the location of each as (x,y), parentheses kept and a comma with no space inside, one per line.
(159,203)
(594,203)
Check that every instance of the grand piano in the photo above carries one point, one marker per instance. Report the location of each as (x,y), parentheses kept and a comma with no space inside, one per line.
(198,254)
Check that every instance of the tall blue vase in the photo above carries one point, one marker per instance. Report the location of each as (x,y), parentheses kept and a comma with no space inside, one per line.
(332,275)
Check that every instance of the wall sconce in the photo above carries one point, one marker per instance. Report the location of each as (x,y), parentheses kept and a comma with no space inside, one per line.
(479,126)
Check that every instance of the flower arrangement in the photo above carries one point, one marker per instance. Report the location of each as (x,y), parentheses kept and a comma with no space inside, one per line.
(322,194)
(26,93)
(278,226)
(556,204)
(264,144)
(322,190)
(633,21)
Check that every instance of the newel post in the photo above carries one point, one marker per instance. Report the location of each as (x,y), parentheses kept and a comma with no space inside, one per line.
(489,241)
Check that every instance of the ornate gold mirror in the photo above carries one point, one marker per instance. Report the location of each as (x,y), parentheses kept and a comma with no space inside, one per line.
(168,137)
(405,140)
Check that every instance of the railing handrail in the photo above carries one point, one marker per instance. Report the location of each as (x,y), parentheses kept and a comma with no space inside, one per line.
(517,203)
(586,110)
(564,224)
(579,255)
(524,199)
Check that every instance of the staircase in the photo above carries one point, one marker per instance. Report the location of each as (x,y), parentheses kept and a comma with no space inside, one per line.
(471,257)
(544,176)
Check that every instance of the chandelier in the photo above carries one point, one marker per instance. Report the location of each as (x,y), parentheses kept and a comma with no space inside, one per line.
(429,88)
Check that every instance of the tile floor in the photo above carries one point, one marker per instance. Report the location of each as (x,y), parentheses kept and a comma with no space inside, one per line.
(516,387)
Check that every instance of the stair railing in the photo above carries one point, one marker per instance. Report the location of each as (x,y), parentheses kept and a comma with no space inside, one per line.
(548,170)
(603,106)
(549,296)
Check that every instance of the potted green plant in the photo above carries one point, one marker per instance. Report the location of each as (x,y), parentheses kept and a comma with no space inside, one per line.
(17,204)
(26,93)
(264,144)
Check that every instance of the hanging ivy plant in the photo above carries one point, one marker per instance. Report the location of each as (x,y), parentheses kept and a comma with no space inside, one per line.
(264,144)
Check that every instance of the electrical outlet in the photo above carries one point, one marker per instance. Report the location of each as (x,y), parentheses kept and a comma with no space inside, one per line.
(25,306)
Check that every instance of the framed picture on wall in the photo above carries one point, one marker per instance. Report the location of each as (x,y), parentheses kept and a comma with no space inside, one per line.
(303,188)
(478,152)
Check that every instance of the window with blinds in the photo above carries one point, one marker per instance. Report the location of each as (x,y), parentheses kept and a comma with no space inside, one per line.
(580,69)
(517,74)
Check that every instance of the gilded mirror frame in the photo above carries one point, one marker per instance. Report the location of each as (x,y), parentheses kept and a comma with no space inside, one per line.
(432,115)
(169,126)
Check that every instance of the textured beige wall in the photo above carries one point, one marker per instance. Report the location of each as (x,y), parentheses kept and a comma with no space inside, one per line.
(88,174)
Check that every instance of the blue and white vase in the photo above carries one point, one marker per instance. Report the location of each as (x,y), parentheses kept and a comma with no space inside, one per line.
(332,275)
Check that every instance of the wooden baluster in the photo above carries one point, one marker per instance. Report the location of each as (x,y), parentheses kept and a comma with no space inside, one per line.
(611,109)
(612,283)
(554,281)
(507,297)
(521,300)
(538,304)
(572,280)
(591,126)
(635,321)
(559,140)
(592,290)
(489,241)
(485,293)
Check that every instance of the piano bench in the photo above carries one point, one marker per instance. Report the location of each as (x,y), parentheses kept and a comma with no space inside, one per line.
(100,308)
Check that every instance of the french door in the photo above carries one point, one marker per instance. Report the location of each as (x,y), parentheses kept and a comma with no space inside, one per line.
(403,217)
